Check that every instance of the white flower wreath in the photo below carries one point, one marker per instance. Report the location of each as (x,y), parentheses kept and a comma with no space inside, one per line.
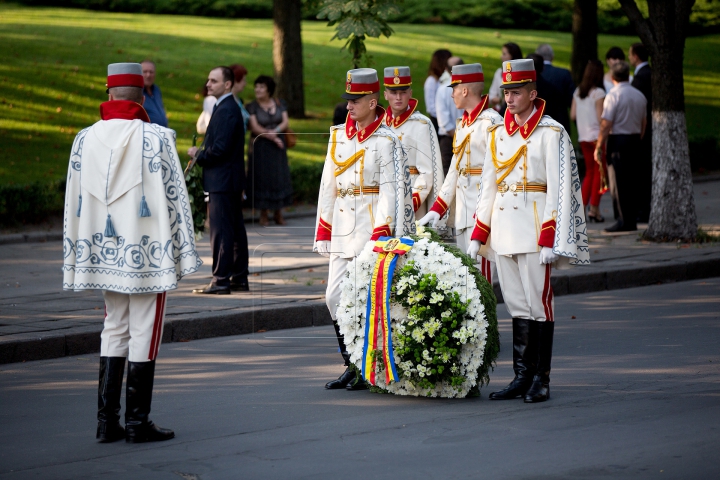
(452,280)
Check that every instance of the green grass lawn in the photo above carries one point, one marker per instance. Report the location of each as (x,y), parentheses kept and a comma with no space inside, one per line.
(53,69)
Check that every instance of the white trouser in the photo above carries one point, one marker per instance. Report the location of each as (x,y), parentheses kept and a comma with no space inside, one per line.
(463,238)
(525,285)
(336,273)
(133,325)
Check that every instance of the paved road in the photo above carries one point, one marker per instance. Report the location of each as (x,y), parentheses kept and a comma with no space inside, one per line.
(635,394)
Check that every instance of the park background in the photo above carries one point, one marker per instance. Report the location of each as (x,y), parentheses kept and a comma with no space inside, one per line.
(53,69)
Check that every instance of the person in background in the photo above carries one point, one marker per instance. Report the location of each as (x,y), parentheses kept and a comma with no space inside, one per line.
(340,113)
(638,57)
(438,65)
(447,114)
(622,127)
(509,51)
(203,120)
(613,55)
(586,110)
(554,101)
(269,187)
(240,73)
(222,158)
(153,98)
(561,79)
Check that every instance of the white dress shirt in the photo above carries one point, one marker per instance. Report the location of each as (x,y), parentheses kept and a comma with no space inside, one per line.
(447,113)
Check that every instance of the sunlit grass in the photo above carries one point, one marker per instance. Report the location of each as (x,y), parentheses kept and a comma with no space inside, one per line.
(53,63)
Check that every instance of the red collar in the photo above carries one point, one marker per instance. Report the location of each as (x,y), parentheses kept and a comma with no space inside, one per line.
(468,120)
(351,127)
(399,120)
(123,110)
(529,127)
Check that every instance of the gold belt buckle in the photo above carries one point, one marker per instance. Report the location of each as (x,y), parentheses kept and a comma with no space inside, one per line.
(502,187)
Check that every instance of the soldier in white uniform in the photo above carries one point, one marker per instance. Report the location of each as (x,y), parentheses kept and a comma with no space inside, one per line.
(418,137)
(129,233)
(531,214)
(365,193)
(463,180)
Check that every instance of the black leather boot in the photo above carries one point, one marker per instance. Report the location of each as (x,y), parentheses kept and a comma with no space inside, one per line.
(540,389)
(524,361)
(358,384)
(112,370)
(138,397)
(346,378)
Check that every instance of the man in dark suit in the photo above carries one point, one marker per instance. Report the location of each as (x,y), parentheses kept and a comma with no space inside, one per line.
(554,100)
(559,78)
(638,57)
(222,157)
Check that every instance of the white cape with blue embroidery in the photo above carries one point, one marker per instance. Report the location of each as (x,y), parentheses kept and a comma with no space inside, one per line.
(107,244)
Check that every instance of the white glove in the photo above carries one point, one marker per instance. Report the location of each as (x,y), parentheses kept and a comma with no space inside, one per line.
(547,256)
(473,249)
(323,248)
(431,217)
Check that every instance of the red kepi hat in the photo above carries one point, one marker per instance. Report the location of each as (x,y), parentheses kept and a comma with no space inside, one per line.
(125,75)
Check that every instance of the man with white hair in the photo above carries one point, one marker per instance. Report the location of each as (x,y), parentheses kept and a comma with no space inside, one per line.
(561,79)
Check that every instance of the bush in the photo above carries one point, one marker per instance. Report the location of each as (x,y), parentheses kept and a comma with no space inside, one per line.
(704,153)
(30,203)
(306,181)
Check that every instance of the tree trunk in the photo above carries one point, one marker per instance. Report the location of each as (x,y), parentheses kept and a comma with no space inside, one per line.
(672,213)
(287,55)
(585,33)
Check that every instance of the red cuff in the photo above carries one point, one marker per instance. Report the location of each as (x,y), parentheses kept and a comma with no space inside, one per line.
(324,231)
(382,231)
(481,232)
(416,201)
(547,234)
(439,206)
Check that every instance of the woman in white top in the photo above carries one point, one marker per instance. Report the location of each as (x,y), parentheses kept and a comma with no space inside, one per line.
(438,64)
(586,110)
(509,51)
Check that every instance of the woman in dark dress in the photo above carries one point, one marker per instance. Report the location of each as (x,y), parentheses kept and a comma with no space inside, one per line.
(269,185)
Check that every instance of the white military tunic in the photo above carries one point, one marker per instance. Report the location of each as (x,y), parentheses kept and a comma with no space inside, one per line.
(530,199)
(420,143)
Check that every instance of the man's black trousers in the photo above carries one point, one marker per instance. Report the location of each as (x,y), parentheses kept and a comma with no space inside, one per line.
(228,238)
(624,153)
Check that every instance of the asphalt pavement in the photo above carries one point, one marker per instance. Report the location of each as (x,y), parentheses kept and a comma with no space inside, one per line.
(635,391)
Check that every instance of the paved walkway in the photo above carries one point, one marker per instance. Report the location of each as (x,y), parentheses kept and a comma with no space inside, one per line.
(39,320)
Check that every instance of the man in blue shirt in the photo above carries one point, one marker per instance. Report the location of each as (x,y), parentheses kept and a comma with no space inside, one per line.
(153,98)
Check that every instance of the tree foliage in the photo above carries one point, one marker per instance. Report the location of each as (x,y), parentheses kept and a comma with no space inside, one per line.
(355,20)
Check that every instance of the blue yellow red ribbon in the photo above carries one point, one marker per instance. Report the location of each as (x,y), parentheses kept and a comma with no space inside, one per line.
(377,314)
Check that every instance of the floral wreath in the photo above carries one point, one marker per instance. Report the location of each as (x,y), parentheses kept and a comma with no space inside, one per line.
(444,337)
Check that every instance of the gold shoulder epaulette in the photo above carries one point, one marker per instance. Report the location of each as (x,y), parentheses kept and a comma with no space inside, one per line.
(493,127)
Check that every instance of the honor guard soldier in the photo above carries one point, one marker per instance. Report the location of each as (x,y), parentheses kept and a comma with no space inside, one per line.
(531,214)
(463,180)
(129,233)
(417,135)
(365,193)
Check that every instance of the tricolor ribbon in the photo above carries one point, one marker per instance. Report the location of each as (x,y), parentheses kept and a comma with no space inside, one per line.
(378,307)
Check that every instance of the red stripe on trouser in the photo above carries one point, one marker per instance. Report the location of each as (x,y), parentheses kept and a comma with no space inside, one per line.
(547,295)
(486,269)
(157,326)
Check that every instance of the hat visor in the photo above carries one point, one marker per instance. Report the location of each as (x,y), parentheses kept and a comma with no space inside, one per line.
(514,85)
(352,96)
(393,88)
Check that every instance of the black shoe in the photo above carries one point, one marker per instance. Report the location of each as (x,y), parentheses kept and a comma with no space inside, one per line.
(619,226)
(524,362)
(112,370)
(540,389)
(239,285)
(358,384)
(595,218)
(213,289)
(138,397)
(342,381)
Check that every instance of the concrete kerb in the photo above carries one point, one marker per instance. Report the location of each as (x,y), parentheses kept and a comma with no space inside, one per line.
(207,325)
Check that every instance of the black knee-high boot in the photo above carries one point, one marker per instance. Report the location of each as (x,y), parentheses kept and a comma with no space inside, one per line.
(138,397)
(540,389)
(524,361)
(112,370)
(349,374)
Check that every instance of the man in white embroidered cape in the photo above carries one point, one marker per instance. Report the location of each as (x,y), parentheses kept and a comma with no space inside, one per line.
(128,231)
(365,193)
(530,213)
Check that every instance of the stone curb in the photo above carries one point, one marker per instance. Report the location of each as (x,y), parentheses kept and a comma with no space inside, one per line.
(209,325)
